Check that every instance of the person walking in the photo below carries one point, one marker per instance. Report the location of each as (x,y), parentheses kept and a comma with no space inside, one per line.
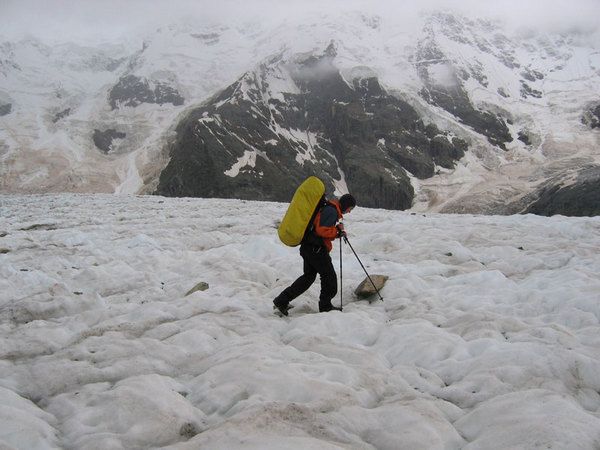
(314,249)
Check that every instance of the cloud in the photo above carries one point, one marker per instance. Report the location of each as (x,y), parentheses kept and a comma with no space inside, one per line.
(114,19)
(552,15)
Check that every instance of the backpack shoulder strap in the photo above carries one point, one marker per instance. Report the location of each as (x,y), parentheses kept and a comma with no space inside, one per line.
(311,224)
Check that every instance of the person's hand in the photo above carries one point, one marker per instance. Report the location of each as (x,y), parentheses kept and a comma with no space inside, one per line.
(340,228)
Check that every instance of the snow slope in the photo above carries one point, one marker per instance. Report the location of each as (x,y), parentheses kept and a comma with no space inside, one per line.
(488,335)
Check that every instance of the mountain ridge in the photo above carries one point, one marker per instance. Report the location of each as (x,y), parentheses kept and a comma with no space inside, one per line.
(526,106)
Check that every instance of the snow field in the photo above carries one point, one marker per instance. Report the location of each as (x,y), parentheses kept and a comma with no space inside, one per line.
(487,336)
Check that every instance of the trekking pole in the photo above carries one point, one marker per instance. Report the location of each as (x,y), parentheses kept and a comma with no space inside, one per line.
(341,279)
(363,267)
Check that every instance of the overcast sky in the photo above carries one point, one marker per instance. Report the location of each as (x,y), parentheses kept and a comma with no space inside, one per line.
(112,19)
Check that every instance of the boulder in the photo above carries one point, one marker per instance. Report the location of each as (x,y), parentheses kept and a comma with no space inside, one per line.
(202,286)
(366,289)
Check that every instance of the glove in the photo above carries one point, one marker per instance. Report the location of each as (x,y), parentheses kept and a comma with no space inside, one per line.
(340,228)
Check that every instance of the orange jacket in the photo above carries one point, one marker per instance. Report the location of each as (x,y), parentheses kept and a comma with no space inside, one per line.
(325,224)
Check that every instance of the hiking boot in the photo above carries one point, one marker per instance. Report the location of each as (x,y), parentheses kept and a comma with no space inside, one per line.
(282,307)
(327,308)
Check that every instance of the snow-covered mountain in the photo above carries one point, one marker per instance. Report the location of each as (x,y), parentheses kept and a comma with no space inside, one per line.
(297,116)
(454,113)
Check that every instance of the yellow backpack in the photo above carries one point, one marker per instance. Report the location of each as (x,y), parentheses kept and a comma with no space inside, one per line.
(307,198)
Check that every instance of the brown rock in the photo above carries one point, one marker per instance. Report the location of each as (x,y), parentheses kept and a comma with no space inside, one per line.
(366,289)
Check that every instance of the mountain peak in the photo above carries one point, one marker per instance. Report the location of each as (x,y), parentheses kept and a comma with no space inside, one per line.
(310,86)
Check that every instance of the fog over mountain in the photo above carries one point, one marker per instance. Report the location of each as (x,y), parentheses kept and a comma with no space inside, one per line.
(488,107)
(113,19)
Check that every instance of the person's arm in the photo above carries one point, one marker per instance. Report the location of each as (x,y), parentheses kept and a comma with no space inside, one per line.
(326,227)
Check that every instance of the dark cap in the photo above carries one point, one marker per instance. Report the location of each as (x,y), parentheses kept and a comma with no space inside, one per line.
(347,201)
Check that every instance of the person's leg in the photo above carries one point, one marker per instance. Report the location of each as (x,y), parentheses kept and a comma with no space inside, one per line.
(302,283)
(324,267)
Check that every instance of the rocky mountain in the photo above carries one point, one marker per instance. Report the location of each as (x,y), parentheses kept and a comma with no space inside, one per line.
(295,117)
(457,114)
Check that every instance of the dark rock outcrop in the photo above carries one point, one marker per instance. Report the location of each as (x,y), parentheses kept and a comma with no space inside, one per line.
(133,91)
(532,75)
(60,115)
(103,140)
(456,101)
(252,144)
(5,109)
(592,117)
(452,97)
(524,137)
(528,91)
(207,38)
(503,93)
(581,198)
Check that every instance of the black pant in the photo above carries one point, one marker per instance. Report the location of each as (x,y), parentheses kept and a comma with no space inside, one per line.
(316,261)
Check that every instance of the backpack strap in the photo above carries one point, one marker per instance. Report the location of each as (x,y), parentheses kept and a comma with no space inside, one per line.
(309,236)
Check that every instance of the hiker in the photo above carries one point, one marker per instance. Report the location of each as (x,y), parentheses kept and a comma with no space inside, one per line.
(314,249)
